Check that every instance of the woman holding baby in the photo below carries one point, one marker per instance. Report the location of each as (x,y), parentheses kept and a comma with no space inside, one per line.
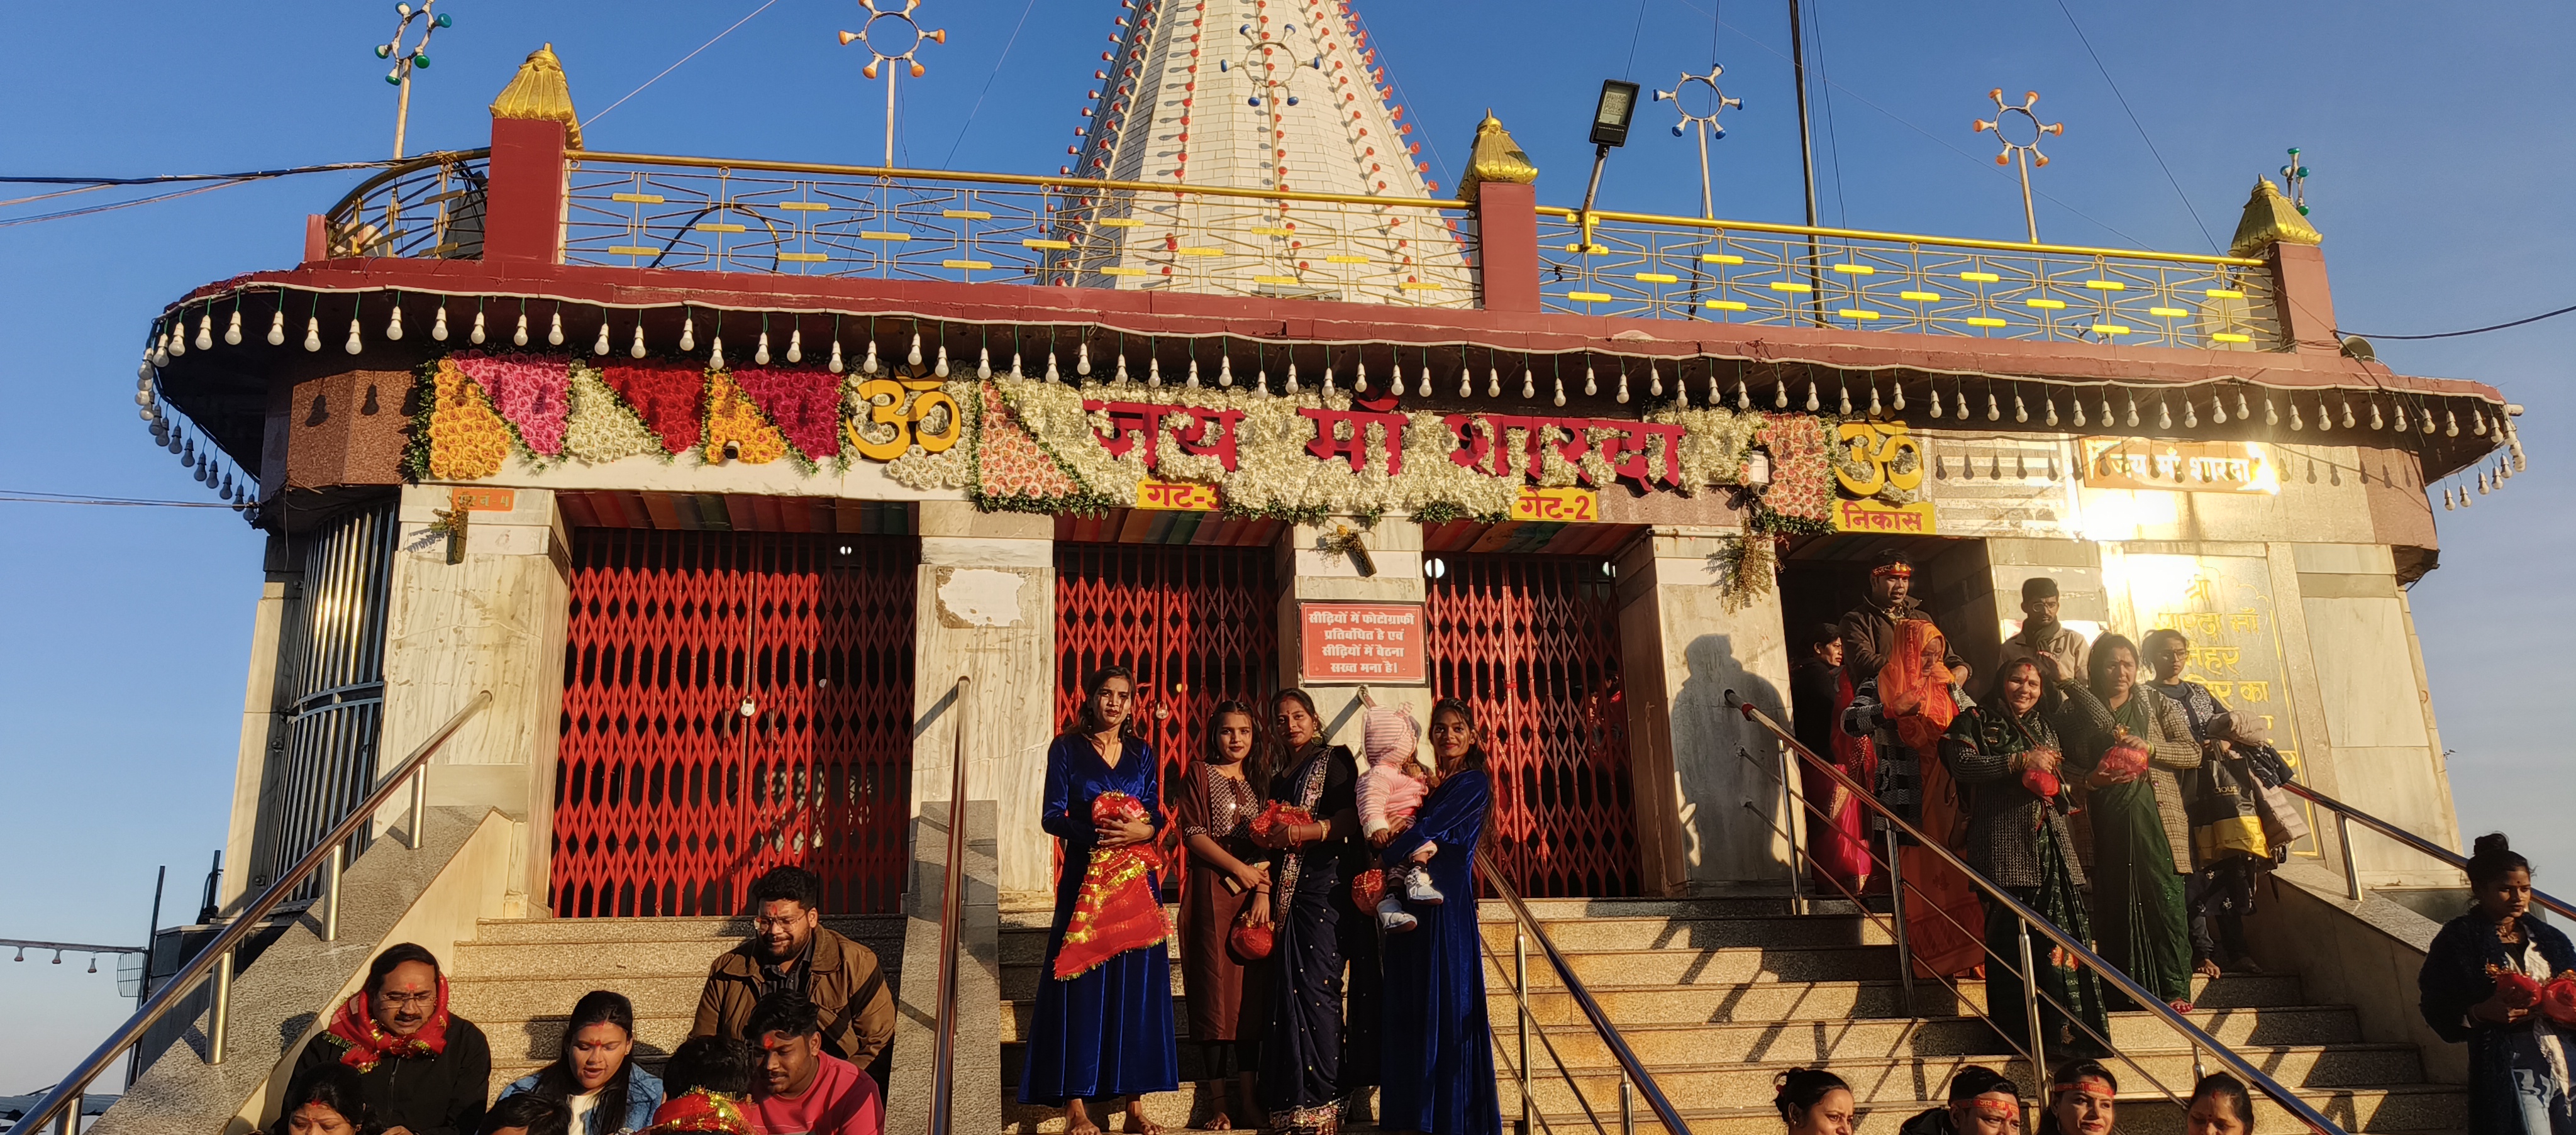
(1438,1062)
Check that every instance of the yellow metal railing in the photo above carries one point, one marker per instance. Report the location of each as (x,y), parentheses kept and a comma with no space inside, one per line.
(636,210)
(429,208)
(1637,265)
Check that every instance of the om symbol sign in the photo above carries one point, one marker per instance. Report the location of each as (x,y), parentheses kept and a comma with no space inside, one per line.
(893,407)
(1877,447)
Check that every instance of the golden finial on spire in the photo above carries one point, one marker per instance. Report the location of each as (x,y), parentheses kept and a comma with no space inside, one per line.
(2270,219)
(540,91)
(1497,159)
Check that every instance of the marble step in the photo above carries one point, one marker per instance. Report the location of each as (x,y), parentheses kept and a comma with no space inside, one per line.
(1028,943)
(867,929)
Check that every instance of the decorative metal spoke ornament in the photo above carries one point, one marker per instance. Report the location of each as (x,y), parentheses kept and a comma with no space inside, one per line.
(1706,124)
(2008,126)
(891,35)
(407,58)
(2294,178)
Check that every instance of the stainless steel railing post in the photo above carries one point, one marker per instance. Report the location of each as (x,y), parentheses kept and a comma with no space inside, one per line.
(419,805)
(1896,920)
(1796,822)
(2343,846)
(2030,1013)
(1520,986)
(1627,1107)
(331,891)
(69,1124)
(216,1030)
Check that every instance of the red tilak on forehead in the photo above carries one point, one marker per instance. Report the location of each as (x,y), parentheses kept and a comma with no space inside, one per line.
(2089,1085)
(1996,1109)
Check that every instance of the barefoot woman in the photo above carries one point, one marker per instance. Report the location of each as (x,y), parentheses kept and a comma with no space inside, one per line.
(1107,1032)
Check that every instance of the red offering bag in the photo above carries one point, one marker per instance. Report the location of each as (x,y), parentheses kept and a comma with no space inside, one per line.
(1279,815)
(1250,941)
(2558,999)
(1367,888)
(2515,987)
(2127,758)
(1116,910)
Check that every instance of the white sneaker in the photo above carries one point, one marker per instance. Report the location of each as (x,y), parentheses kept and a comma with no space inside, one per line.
(1419,891)
(1392,918)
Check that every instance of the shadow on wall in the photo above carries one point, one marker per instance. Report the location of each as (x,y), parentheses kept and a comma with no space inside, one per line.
(1720,842)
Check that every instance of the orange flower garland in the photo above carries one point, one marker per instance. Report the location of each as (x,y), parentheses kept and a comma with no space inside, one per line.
(733,417)
(467,439)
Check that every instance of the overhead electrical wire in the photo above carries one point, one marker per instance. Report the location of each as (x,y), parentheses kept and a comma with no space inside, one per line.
(161,178)
(31,496)
(2116,93)
(2470,331)
(998,61)
(621,101)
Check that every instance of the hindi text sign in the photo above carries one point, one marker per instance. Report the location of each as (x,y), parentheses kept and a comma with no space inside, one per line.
(1871,516)
(1362,642)
(1570,505)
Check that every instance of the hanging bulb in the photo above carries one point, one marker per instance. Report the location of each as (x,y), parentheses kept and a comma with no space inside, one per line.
(636,348)
(2446,500)
(2218,411)
(2401,417)
(1422,389)
(1681,390)
(2242,413)
(1466,382)
(1655,384)
(984,362)
(554,329)
(206,330)
(1153,370)
(2190,414)
(277,327)
(2164,413)
(1874,410)
(1590,387)
(2271,417)
(1359,376)
(1843,407)
(2078,403)
(1529,383)
(2021,413)
(1290,387)
(1015,364)
(161,349)
(1082,359)
(715,352)
(1936,403)
(2050,401)
(1560,390)
(1494,381)
(688,331)
(178,338)
(913,357)
(1780,394)
(1052,375)
(601,346)
(393,324)
(760,350)
(519,336)
(2377,422)
(795,344)
(1328,378)
(1623,387)
(1743,397)
(1898,399)
(868,365)
(938,371)
(2425,416)
(2133,411)
(2482,482)
(2479,417)
(313,333)
(2296,425)
(1260,381)
(354,346)
(1812,401)
(2348,422)
(2465,502)
(1994,413)
(2451,423)
(232,330)
(1120,375)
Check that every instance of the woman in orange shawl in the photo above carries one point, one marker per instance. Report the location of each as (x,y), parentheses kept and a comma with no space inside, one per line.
(1943,921)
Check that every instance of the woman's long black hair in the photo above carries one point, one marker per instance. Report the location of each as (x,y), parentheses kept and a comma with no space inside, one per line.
(2097,665)
(335,1086)
(557,1082)
(1084,724)
(1474,758)
(1256,763)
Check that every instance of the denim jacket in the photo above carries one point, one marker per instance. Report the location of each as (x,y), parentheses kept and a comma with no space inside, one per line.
(643,1098)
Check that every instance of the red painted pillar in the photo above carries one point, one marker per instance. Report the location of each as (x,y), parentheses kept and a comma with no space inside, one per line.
(2306,302)
(524,204)
(1507,246)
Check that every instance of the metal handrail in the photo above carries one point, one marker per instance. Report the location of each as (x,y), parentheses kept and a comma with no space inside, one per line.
(2346,813)
(2033,920)
(350,201)
(943,1085)
(1566,214)
(1631,1070)
(217,956)
(889,173)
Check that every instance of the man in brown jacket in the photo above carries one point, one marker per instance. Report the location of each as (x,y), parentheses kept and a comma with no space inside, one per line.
(789,948)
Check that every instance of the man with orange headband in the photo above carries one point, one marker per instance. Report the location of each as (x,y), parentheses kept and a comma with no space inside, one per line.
(1982,1102)
(1869,630)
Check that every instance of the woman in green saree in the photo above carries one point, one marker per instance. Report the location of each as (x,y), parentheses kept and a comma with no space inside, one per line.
(2141,840)
(2004,754)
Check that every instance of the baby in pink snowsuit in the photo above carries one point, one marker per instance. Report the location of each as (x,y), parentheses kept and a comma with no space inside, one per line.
(1390,791)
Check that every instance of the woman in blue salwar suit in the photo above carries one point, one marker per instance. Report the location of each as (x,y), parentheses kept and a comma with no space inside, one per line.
(1106,1033)
(1438,1060)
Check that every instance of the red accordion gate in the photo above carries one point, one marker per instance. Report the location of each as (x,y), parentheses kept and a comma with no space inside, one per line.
(1532,643)
(1198,625)
(733,701)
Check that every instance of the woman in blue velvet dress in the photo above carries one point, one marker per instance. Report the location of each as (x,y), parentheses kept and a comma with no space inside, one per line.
(1439,1060)
(1108,1032)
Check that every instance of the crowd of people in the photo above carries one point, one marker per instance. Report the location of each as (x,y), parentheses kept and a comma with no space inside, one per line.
(791,1038)
(2082,1099)
(2087,779)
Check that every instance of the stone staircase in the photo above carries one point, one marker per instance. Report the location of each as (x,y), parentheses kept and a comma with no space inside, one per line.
(1718,996)
(518,979)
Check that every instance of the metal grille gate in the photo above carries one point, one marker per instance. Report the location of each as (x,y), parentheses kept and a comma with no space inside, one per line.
(330,692)
(1198,625)
(732,702)
(1532,643)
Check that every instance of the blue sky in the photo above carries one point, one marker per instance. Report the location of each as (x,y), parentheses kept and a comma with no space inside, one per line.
(2435,133)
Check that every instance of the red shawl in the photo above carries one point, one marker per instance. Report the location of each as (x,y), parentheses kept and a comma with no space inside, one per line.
(368,1042)
(1117,909)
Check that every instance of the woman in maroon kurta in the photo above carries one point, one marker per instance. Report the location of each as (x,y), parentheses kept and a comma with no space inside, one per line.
(1228,876)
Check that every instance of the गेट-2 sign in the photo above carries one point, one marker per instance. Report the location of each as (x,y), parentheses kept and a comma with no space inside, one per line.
(1362,642)
(1563,504)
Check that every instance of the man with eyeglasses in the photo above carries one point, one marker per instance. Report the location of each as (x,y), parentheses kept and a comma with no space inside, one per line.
(425,1071)
(790,950)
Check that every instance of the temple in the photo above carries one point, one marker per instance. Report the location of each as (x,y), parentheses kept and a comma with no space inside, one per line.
(719,475)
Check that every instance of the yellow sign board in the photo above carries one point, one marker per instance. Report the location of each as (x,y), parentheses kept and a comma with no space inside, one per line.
(2178,466)
(1871,516)
(1568,504)
(1175,496)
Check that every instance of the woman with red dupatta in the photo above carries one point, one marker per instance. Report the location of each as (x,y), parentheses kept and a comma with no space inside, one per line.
(1103,1027)
(1943,920)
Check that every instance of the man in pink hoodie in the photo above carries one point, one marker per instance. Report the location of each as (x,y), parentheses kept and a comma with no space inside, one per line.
(801,1089)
